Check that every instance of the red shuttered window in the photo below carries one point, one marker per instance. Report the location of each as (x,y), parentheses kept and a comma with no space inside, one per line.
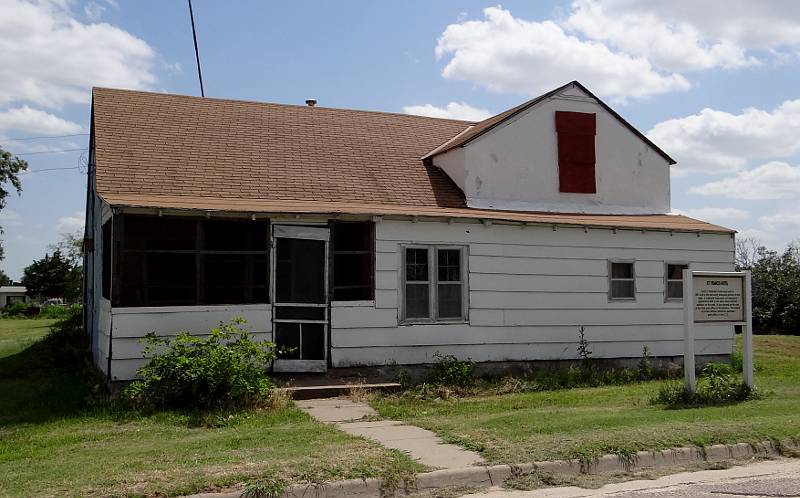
(576,159)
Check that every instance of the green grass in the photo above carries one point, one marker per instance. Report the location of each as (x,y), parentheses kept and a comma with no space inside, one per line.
(57,439)
(580,423)
(17,334)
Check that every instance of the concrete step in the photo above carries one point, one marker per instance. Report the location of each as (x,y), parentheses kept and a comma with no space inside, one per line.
(334,390)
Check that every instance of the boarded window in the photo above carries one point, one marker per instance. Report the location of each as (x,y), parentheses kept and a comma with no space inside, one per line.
(106,268)
(674,281)
(622,281)
(576,154)
(353,261)
(189,261)
(434,283)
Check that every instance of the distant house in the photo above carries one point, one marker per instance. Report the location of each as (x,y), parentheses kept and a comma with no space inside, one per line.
(368,238)
(10,294)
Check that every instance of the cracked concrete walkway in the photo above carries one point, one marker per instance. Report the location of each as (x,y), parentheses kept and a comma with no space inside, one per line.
(422,445)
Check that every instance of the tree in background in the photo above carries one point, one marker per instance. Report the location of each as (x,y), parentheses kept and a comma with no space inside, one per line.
(70,246)
(52,277)
(776,286)
(4,279)
(10,168)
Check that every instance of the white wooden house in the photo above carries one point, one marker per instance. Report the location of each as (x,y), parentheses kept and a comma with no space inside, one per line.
(364,238)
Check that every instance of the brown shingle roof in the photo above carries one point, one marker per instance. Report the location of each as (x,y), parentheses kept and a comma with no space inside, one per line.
(159,144)
(169,151)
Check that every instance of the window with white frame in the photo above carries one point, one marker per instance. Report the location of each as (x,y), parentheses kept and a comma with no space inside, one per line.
(433,283)
(622,280)
(674,281)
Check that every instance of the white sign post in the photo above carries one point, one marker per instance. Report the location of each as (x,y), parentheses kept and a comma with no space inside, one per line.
(716,298)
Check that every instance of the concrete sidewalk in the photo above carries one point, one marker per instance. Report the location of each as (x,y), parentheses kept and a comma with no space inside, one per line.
(420,444)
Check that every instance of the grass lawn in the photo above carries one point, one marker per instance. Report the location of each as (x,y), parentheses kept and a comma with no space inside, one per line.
(16,335)
(54,442)
(576,423)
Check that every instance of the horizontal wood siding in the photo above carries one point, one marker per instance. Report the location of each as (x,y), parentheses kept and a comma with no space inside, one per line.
(529,291)
(131,324)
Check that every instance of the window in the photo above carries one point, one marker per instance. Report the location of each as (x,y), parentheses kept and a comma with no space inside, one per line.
(189,261)
(106,264)
(622,281)
(576,154)
(433,279)
(674,281)
(353,261)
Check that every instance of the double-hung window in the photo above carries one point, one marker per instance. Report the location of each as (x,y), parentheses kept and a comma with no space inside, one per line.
(433,283)
(674,281)
(622,280)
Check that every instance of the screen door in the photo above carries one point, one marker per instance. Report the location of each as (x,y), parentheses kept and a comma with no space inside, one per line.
(300,307)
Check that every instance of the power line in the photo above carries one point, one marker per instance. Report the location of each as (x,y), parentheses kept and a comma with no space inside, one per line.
(50,169)
(45,136)
(56,151)
(196,51)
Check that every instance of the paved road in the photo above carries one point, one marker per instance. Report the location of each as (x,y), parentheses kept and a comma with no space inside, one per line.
(779,478)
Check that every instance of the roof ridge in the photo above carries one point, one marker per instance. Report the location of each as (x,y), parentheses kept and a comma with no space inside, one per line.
(257,102)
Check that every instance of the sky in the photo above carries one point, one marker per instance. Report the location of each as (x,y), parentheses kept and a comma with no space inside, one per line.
(716,84)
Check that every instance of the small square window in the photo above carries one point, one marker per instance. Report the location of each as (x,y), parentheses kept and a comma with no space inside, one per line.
(434,285)
(622,281)
(674,281)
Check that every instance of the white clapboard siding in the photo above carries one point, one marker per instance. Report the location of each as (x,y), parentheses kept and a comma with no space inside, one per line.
(130,348)
(343,317)
(461,334)
(521,351)
(171,320)
(529,290)
(435,232)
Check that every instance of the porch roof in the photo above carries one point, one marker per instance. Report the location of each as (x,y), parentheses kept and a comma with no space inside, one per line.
(665,222)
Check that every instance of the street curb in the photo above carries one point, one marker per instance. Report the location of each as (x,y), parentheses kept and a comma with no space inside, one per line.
(496,475)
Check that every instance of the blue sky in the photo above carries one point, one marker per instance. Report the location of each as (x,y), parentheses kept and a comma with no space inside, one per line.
(708,83)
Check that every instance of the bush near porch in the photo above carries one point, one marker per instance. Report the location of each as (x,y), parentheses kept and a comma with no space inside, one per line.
(61,436)
(586,422)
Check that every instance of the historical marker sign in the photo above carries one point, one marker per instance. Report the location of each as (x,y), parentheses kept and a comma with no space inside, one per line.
(718,298)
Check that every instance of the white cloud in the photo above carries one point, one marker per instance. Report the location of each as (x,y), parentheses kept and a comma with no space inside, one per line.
(453,110)
(762,24)
(50,58)
(507,54)
(34,121)
(666,40)
(718,141)
(782,222)
(70,224)
(770,181)
(717,214)
(9,217)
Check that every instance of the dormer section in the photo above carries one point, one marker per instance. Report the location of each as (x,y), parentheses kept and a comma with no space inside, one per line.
(565,152)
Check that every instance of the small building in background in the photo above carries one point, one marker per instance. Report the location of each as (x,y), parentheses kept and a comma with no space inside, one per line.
(10,294)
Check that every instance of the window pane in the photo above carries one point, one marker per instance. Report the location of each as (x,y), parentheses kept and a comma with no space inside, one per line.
(675,290)
(352,261)
(675,272)
(417,303)
(313,341)
(621,270)
(160,233)
(622,288)
(287,338)
(416,265)
(449,300)
(234,235)
(449,265)
(352,276)
(352,236)
(300,271)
